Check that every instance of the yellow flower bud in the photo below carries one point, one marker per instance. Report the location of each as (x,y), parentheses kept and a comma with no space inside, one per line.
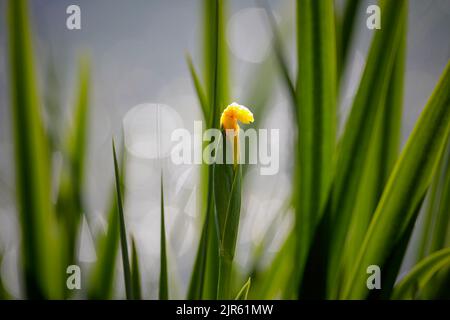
(229,121)
(234,113)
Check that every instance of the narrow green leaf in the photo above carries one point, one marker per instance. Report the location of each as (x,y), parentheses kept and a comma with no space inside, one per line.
(436,229)
(196,283)
(135,274)
(122,229)
(78,136)
(418,277)
(406,186)
(198,88)
(212,259)
(381,155)
(243,293)
(393,262)
(52,102)
(102,277)
(41,242)
(215,58)
(437,288)
(163,284)
(281,57)
(345,29)
(316,104)
(216,86)
(356,140)
(70,198)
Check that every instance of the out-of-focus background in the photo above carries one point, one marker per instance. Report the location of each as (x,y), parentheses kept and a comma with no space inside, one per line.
(137,51)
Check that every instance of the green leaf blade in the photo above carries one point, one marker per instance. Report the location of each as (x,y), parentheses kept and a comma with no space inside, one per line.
(243,293)
(122,229)
(41,241)
(316,92)
(135,273)
(407,185)
(355,142)
(419,276)
(163,283)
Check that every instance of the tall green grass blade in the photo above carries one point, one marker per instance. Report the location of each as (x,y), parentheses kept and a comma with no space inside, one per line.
(70,197)
(281,57)
(437,288)
(198,88)
(420,275)
(435,234)
(212,259)
(122,229)
(52,102)
(356,140)
(381,155)
(436,228)
(78,137)
(102,277)
(406,186)
(243,293)
(316,104)
(345,29)
(392,265)
(135,273)
(163,284)
(216,85)
(197,277)
(41,244)
(204,277)
(215,58)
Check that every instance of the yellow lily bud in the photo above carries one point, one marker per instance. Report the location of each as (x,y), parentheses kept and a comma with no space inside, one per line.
(229,121)
(234,113)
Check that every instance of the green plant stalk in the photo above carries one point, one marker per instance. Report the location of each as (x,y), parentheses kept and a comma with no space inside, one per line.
(215,57)
(41,242)
(227,190)
(227,197)
(163,283)
(316,104)
(406,186)
(225,273)
(122,229)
